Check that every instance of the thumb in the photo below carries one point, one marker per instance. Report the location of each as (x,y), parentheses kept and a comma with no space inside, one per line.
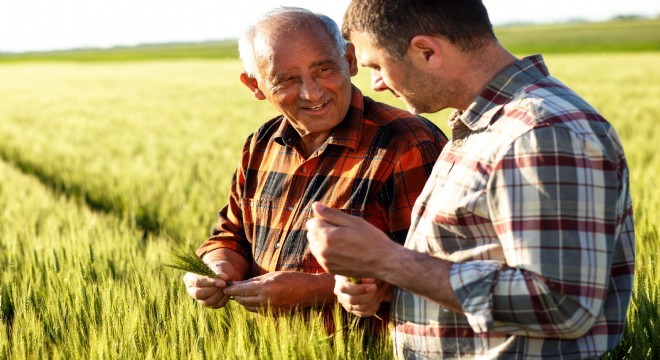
(330,215)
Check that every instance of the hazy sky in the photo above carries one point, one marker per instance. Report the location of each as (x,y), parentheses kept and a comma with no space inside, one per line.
(27,25)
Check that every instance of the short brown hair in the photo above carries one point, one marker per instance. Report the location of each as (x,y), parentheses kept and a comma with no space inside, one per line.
(393,23)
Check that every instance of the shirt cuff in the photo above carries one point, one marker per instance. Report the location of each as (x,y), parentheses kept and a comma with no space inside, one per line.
(473,284)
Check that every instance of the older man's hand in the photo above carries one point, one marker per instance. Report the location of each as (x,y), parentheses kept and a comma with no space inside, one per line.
(362,299)
(208,291)
(283,291)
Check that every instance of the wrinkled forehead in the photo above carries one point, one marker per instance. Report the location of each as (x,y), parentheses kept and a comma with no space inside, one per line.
(272,37)
(284,48)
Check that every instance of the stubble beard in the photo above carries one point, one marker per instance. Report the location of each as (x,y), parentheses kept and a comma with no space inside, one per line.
(429,93)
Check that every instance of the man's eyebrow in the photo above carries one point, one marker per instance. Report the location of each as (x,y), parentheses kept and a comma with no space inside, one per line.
(364,62)
(324,62)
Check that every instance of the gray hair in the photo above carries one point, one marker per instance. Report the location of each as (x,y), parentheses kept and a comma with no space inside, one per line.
(284,19)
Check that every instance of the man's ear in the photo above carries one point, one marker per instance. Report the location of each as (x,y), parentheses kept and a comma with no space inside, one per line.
(253,85)
(428,50)
(352,60)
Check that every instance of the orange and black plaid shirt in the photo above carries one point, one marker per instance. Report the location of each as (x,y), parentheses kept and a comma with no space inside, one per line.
(374,165)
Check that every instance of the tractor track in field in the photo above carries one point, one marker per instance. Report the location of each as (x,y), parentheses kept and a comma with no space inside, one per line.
(145,222)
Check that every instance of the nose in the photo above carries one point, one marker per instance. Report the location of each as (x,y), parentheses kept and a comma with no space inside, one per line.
(310,89)
(377,82)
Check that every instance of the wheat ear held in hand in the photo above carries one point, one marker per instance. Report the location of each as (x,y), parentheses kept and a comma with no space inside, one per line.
(182,257)
(356,280)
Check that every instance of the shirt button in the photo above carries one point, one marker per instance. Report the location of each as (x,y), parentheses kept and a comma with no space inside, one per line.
(302,170)
(277,245)
(290,208)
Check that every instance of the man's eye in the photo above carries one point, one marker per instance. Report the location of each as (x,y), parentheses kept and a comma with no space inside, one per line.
(284,81)
(324,71)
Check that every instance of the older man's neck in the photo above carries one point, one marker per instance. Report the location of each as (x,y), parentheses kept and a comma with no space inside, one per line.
(311,142)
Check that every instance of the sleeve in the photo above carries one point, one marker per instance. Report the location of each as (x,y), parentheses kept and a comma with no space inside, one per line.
(411,171)
(557,202)
(228,232)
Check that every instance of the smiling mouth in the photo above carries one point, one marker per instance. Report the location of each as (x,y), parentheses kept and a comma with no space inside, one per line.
(316,108)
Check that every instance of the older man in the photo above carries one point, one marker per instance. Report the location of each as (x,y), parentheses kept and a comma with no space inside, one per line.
(522,243)
(330,144)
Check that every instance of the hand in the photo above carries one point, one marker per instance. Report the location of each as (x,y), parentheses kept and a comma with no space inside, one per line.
(282,291)
(208,291)
(347,245)
(350,246)
(362,299)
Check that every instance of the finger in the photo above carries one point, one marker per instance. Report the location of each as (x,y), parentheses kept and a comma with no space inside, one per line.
(360,309)
(250,301)
(199,281)
(203,293)
(344,286)
(216,301)
(190,279)
(357,300)
(330,215)
(242,288)
(366,303)
(363,310)
(223,301)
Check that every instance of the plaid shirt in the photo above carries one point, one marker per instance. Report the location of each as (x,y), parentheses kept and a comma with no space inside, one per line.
(374,165)
(530,201)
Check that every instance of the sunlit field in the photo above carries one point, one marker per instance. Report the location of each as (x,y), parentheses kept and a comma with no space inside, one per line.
(98,158)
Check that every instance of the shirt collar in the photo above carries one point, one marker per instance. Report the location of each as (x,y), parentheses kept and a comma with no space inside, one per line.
(500,91)
(347,133)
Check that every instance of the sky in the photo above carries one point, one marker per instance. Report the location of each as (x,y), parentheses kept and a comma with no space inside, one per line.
(37,25)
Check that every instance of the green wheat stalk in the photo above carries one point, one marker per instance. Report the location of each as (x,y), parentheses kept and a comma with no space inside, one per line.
(184,258)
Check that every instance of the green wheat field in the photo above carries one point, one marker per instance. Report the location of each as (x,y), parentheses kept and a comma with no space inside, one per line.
(101,153)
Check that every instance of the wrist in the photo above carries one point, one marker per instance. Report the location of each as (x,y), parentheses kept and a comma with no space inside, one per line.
(322,293)
(391,264)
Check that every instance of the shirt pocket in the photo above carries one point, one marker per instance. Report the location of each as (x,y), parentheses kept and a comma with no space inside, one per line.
(261,222)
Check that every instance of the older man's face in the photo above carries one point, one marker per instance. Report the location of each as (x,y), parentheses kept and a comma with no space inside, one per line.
(306,79)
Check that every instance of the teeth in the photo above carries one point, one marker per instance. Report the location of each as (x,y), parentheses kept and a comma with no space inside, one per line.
(316,107)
